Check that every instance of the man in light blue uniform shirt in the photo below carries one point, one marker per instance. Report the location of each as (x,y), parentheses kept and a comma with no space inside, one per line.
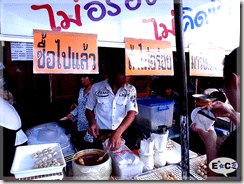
(111,107)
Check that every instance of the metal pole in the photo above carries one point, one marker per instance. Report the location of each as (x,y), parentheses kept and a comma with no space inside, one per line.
(51,88)
(184,135)
(196,85)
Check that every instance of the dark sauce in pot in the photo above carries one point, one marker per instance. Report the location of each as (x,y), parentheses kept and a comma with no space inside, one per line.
(91,159)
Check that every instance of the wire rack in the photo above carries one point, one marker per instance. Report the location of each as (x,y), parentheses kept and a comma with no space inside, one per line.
(68,158)
(157,174)
(53,176)
(194,163)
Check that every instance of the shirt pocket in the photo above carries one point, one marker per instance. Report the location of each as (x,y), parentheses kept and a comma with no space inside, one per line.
(102,100)
(122,101)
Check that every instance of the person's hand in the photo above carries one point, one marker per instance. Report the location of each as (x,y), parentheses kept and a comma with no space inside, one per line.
(114,141)
(70,116)
(220,109)
(93,130)
(208,137)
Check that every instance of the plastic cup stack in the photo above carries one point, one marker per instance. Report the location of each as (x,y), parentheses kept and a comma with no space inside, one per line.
(160,141)
(146,154)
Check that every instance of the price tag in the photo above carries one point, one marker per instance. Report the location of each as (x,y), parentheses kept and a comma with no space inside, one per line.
(148,57)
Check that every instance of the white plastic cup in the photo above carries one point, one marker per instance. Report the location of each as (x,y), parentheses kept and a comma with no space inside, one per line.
(159,158)
(147,160)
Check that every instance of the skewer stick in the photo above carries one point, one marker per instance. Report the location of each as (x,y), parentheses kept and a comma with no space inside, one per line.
(100,158)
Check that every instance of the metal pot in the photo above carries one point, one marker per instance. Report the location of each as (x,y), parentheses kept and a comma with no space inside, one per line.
(101,171)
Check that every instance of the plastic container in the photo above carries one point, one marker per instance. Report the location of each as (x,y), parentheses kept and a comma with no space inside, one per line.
(23,162)
(147,160)
(154,112)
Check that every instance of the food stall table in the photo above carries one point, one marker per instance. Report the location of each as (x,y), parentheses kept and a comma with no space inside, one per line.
(173,168)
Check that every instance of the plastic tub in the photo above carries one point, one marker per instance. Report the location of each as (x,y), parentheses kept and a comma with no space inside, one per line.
(154,112)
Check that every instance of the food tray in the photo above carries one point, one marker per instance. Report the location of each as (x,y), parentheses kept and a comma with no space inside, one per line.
(173,155)
(194,164)
(156,174)
(23,162)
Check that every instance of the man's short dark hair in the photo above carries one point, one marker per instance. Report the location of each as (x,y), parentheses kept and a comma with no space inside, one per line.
(232,64)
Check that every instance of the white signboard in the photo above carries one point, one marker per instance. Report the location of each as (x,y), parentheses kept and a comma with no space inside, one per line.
(21,51)
(205,21)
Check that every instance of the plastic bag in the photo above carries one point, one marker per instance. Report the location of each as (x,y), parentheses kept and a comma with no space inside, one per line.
(123,155)
(50,133)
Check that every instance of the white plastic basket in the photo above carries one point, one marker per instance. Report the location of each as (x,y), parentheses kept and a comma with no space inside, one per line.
(23,162)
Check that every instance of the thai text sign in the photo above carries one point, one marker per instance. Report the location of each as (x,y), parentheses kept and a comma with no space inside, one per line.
(205,21)
(63,52)
(206,60)
(148,57)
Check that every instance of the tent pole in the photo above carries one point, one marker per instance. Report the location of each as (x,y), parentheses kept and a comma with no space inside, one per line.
(184,135)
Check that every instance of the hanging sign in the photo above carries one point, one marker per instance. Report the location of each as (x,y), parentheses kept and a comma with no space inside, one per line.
(204,21)
(148,57)
(64,52)
(206,60)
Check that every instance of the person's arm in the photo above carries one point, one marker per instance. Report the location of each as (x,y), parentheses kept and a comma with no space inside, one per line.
(93,128)
(70,116)
(90,115)
(115,140)
(209,138)
(74,113)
